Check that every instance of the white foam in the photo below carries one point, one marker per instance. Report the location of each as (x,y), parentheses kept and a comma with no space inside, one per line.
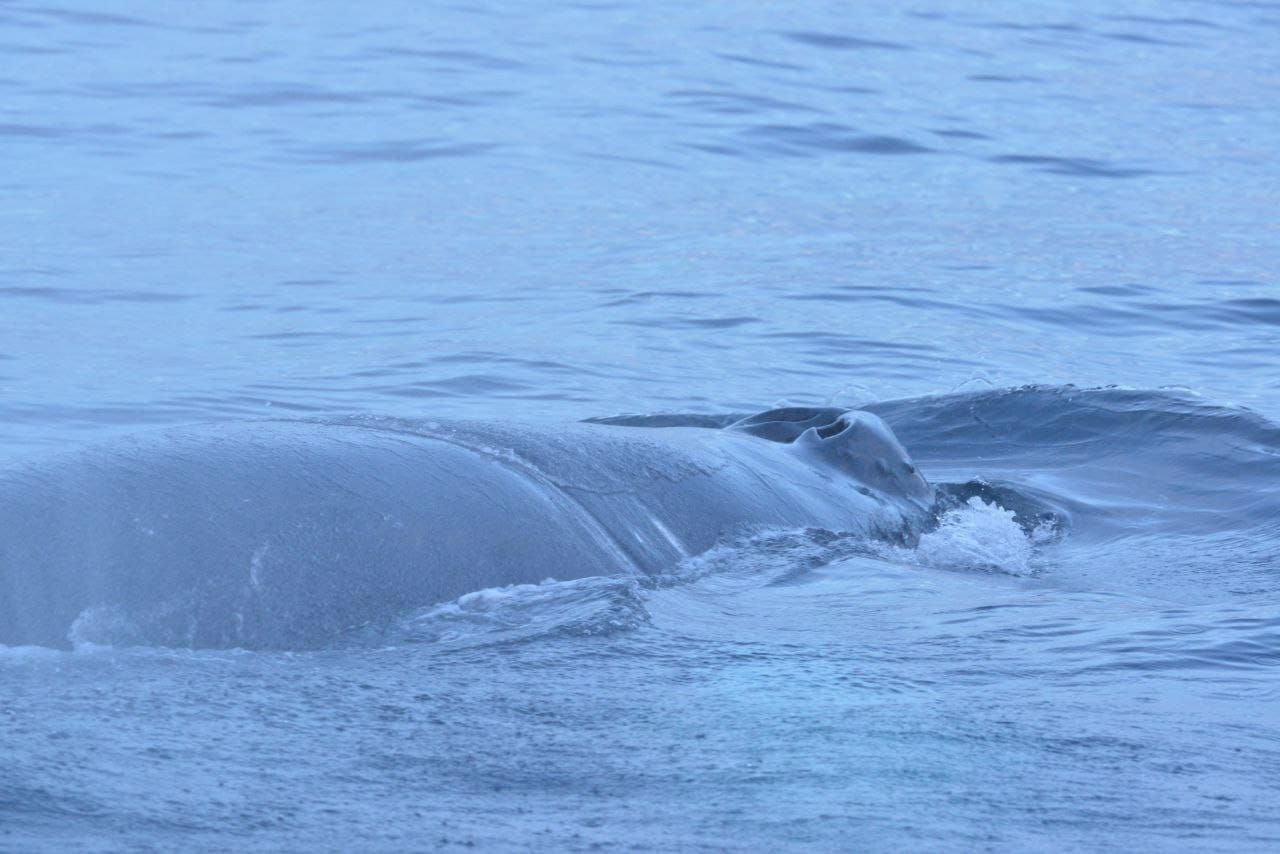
(978,535)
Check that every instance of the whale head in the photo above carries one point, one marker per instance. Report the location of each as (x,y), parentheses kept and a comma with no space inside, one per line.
(854,442)
(862,446)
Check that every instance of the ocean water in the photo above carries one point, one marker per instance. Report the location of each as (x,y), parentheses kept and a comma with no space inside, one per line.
(1039,239)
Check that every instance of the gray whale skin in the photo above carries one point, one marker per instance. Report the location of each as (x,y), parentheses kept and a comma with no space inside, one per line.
(282,534)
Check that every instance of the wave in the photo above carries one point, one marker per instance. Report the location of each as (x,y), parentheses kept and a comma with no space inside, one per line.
(1117,461)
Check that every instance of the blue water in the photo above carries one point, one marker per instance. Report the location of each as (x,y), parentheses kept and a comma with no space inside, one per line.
(1039,239)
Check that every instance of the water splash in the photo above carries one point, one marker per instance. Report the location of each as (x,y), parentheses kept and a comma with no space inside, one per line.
(103,625)
(978,535)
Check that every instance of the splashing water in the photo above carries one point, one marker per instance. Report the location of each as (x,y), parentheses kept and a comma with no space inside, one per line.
(978,535)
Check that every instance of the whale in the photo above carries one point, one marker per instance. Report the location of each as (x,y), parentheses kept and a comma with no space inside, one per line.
(284,534)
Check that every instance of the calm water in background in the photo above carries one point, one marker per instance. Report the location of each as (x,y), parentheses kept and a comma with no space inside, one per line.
(233,210)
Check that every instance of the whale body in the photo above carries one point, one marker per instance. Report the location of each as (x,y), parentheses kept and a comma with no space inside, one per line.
(282,534)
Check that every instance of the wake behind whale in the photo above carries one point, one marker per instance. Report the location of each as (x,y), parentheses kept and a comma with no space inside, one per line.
(282,534)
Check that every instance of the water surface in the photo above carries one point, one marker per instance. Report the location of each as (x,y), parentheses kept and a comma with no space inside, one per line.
(226,211)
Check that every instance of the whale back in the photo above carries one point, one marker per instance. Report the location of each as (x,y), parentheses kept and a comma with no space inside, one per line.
(271,535)
(281,534)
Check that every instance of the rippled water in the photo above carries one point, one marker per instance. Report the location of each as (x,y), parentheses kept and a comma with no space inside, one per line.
(224,211)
